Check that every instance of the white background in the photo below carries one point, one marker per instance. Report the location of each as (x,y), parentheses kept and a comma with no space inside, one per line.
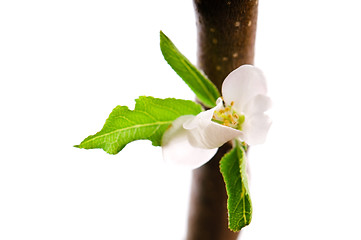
(64,65)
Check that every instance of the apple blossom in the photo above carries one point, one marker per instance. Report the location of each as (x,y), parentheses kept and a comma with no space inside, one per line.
(192,141)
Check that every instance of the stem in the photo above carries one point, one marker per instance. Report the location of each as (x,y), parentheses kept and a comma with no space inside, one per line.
(226,38)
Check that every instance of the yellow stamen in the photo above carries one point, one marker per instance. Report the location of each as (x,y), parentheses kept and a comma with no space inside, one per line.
(228,117)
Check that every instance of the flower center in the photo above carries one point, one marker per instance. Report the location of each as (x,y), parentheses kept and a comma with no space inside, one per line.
(228,117)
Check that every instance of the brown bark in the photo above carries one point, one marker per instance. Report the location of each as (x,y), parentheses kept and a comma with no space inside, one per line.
(226,38)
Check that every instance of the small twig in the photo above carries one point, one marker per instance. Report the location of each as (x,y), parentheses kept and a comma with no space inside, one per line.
(226,38)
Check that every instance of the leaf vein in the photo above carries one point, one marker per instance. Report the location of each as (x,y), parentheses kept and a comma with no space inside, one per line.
(127,128)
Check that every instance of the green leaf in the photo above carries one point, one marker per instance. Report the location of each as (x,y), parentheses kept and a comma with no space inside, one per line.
(204,89)
(149,120)
(233,169)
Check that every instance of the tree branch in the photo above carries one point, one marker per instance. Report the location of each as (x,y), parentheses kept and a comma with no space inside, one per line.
(226,39)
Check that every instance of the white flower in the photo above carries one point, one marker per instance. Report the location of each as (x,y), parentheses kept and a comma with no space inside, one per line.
(192,141)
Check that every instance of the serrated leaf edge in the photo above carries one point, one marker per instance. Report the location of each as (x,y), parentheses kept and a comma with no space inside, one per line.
(210,102)
(244,187)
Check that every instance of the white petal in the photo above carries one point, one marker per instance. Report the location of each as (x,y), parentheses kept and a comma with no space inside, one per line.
(241,85)
(204,133)
(213,135)
(258,104)
(255,128)
(177,149)
(204,118)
